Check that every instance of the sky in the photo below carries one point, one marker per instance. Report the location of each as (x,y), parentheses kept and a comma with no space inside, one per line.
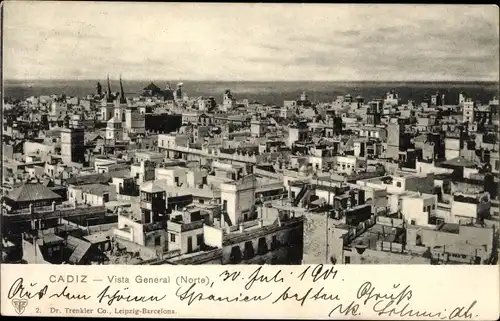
(237,42)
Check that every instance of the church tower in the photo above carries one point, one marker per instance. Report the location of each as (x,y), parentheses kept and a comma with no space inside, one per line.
(109,94)
(73,141)
(99,89)
(123,100)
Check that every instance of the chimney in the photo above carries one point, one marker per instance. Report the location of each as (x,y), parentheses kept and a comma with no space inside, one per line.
(31,208)
(53,205)
(241,228)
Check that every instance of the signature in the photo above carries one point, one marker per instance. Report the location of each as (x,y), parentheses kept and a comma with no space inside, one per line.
(398,303)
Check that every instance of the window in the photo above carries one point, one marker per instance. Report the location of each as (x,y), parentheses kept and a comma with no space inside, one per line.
(249,251)
(172,237)
(235,256)
(176,179)
(199,241)
(413,222)
(274,243)
(347,260)
(398,184)
(157,241)
(224,205)
(433,206)
(189,244)
(262,246)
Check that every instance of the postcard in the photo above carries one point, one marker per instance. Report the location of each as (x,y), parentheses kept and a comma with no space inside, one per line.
(249,160)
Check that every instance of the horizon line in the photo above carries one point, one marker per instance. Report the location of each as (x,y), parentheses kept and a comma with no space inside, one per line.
(254,80)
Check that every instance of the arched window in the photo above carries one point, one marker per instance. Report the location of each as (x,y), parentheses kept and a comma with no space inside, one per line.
(249,251)
(235,256)
(262,248)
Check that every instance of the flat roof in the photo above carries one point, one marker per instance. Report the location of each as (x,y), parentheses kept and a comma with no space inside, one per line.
(99,237)
(95,189)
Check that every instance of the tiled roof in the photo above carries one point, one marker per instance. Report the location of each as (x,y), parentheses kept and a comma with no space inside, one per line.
(102,178)
(81,248)
(95,189)
(51,238)
(121,174)
(151,86)
(94,136)
(32,192)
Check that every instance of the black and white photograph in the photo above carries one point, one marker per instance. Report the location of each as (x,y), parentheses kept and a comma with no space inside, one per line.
(244,133)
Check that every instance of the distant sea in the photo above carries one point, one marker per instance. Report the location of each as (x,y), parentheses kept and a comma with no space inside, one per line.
(264,92)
